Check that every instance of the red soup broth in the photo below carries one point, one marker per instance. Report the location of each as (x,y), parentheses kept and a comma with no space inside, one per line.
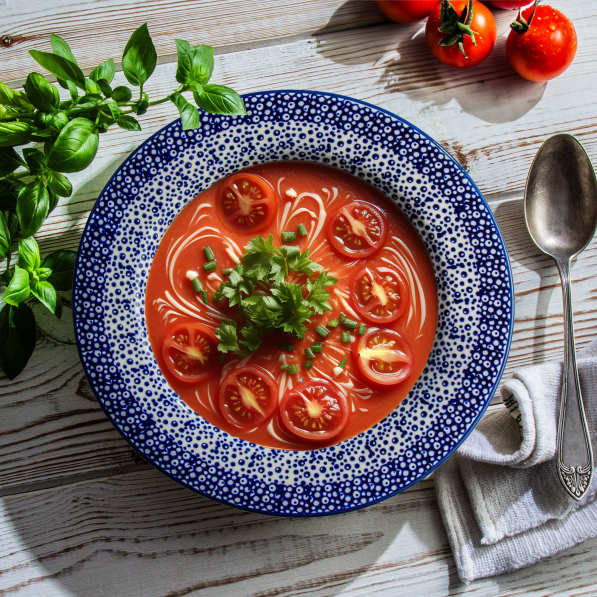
(308,194)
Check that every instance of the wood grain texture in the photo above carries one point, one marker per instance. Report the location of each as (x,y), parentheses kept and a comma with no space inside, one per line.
(142,535)
(99,29)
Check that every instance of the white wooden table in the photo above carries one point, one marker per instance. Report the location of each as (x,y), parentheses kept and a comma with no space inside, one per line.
(81,513)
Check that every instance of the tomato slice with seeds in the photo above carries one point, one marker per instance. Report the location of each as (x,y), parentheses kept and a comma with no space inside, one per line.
(248,396)
(357,229)
(246,202)
(380,294)
(384,357)
(315,409)
(190,352)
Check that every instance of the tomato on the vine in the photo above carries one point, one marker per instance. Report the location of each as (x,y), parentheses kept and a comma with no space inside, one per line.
(542,46)
(510,4)
(246,202)
(465,40)
(406,11)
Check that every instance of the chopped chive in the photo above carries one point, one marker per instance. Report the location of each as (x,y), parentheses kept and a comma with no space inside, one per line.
(287,346)
(350,324)
(341,317)
(227,270)
(322,331)
(290,251)
(362,329)
(221,358)
(345,337)
(342,363)
(210,266)
(302,230)
(284,367)
(333,323)
(205,297)
(292,369)
(308,365)
(288,237)
(209,254)
(310,354)
(317,346)
(197,286)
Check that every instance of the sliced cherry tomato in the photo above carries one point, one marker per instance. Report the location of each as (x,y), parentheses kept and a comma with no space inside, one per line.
(384,357)
(380,294)
(357,229)
(248,396)
(405,11)
(190,352)
(315,409)
(246,202)
(472,52)
(547,49)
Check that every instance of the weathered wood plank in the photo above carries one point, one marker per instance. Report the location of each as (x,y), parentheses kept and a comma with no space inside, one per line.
(99,29)
(157,539)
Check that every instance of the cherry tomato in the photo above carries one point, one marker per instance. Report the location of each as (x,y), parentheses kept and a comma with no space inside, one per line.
(190,352)
(314,410)
(248,396)
(357,229)
(509,4)
(547,49)
(380,294)
(406,11)
(246,202)
(384,357)
(483,24)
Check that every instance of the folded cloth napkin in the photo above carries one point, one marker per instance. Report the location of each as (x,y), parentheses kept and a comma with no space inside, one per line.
(500,497)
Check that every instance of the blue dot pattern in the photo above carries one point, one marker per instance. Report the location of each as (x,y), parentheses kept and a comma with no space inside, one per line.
(473,280)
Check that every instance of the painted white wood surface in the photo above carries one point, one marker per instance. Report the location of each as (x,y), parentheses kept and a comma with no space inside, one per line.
(81,513)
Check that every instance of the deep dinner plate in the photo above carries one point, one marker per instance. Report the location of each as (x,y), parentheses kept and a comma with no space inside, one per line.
(475,318)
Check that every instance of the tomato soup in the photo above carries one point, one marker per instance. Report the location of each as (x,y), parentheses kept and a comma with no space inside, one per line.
(291,305)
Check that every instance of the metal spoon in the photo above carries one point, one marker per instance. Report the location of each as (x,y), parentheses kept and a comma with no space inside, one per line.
(560,206)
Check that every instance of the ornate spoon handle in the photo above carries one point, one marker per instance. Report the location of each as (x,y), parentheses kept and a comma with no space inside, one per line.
(574,451)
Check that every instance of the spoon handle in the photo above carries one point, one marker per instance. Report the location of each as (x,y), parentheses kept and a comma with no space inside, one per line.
(574,451)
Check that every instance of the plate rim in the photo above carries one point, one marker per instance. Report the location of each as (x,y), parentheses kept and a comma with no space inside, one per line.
(491,392)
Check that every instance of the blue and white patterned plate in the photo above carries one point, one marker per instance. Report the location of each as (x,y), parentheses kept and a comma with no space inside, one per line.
(476,307)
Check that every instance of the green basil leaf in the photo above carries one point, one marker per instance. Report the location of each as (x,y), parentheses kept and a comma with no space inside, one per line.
(106,70)
(72,88)
(128,123)
(105,87)
(110,108)
(4,237)
(60,120)
(36,160)
(14,133)
(42,120)
(13,222)
(46,294)
(140,106)
(122,94)
(218,99)
(91,87)
(43,273)
(10,160)
(6,277)
(53,201)
(195,64)
(29,258)
(18,290)
(139,57)
(14,98)
(59,184)
(61,48)
(62,264)
(17,338)
(42,94)
(188,113)
(185,61)
(9,191)
(33,205)
(60,67)
(75,146)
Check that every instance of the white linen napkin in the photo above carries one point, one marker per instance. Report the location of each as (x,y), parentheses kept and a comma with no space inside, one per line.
(500,497)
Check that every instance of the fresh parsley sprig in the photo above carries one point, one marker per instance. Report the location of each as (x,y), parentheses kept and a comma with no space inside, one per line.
(267,296)
(65,137)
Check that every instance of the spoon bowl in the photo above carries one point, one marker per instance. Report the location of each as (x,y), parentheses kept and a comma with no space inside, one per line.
(560,208)
(561,198)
